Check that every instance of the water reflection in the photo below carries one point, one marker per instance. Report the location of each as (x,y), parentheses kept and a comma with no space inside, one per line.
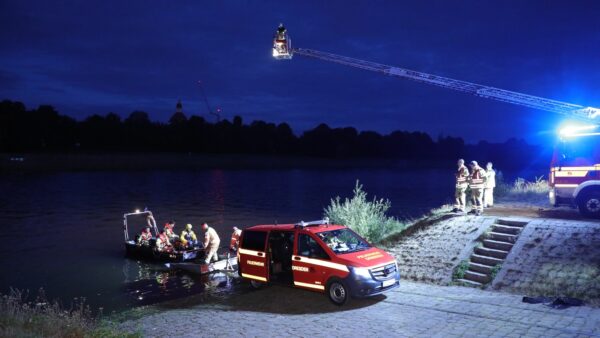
(69,224)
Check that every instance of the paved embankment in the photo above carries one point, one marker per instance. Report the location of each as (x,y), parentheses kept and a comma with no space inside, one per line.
(430,253)
(554,257)
(413,310)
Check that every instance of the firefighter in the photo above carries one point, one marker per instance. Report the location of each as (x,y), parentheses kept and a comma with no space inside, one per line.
(281,32)
(235,239)
(162,243)
(462,175)
(490,184)
(211,243)
(145,237)
(169,230)
(188,237)
(477,184)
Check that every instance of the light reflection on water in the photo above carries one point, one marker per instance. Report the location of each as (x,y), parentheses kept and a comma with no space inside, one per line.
(68,225)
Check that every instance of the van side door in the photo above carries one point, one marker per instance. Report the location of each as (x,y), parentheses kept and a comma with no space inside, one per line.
(252,259)
(309,264)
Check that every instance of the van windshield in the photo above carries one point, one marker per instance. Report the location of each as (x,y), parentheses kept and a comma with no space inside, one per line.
(343,241)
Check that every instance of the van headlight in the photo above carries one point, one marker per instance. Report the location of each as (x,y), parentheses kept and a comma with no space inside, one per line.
(362,272)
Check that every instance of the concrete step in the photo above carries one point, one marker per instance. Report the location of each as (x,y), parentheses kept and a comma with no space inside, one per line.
(486,260)
(477,277)
(511,222)
(498,245)
(506,229)
(502,237)
(481,268)
(491,252)
(469,283)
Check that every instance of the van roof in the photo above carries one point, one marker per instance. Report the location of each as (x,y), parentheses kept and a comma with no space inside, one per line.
(289,227)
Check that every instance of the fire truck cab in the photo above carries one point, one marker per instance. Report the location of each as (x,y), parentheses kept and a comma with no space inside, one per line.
(575,170)
(316,256)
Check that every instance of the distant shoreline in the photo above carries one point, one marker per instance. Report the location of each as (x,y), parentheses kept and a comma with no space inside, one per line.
(34,162)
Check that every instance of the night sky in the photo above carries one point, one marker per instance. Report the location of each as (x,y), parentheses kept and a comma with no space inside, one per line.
(95,57)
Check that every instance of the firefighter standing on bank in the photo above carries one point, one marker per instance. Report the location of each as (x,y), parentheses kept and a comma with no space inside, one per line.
(211,244)
(462,176)
(490,184)
(477,184)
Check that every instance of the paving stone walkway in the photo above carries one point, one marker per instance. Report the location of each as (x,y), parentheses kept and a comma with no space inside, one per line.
(413,310)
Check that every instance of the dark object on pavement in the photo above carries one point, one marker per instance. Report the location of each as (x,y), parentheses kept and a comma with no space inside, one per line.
(555,303)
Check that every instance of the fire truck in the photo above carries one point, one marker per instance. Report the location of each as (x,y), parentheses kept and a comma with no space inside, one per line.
(316,256)
(574,174)
(575,169)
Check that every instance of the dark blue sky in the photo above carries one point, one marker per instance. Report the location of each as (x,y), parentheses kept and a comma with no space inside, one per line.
(95,57)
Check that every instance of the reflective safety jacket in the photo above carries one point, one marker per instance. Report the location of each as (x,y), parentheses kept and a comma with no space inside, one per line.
(235,239)
(169,231)
(187,236)
(162,242)
(211,239)
(477,178)
(490,179)
(145,236)
(462,176)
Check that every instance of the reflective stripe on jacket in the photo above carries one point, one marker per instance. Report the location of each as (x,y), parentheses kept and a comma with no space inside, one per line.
(235,239)
(477,178)
(462,175)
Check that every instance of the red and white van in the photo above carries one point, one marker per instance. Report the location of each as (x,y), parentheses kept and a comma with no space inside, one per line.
(316,256)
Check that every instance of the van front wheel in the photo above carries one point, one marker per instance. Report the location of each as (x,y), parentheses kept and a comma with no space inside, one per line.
(338,292)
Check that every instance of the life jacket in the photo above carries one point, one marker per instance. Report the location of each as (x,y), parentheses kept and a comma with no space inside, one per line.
(235,239)
(188,235)
(462,175)
(162,242)
(146,236)
(477,178)
(169,230)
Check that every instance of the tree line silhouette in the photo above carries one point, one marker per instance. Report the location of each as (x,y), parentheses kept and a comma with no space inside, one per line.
(46,130)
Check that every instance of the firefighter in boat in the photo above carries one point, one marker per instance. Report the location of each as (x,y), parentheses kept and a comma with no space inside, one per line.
(145,237)
(162,243)
(169,230)
(211,243)
(188,237)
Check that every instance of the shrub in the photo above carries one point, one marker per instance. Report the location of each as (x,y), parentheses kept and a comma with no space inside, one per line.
(367,218)
(522,190)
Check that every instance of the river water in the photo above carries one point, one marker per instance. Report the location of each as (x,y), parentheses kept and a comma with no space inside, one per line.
(62,231)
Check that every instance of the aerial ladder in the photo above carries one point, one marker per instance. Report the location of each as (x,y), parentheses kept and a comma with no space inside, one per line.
(575,169)
(282,49)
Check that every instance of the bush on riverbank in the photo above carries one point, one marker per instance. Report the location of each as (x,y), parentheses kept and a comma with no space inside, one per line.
(20,317)
(367,217)
(522,190)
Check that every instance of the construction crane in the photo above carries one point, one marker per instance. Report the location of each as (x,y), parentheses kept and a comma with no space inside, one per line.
(283,50)
(216,114)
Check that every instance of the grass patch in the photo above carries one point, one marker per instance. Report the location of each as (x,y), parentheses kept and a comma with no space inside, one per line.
(21,317)
(460,269)
(522,190)
(495,271)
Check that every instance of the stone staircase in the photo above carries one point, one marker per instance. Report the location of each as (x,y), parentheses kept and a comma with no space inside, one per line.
(495,248)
